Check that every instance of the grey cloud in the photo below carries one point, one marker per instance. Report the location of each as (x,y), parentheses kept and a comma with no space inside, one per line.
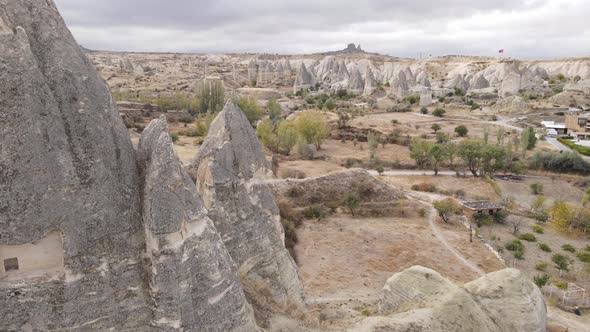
(401,28)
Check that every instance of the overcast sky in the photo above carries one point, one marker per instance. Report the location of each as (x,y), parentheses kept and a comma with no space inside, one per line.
(524,28)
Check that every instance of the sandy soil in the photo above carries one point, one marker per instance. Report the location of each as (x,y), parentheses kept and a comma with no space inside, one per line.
(376,248)
(553,189)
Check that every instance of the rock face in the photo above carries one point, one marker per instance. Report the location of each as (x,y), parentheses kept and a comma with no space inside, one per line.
(425,97)
(228,171)
(356,83)
(511,105)
(370,83)
(73,172)
(420,299)
(191,279)
(304,79)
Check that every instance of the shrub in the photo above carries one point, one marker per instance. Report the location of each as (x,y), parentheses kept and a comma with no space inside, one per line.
(352,201)
(475,106)
(528,237)
(541,280)
(541,266)
(424,187)
(312,128)
(422,213)
(515,245)
(568,247)
(536,188)
(185,119)
(292,173)
(412,99)
(435,127)
(461,131)
(544,247)
(561,284)
(439,112)
(585,150)
(446,208)
(481,219)
(584,257)
(538,229)
(424,110)
(564,162)
(561,262)
(313,212)
(174,137)
(519,255)
(541,216)
(380,169)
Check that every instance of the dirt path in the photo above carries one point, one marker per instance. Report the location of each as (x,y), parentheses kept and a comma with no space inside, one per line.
(429,198)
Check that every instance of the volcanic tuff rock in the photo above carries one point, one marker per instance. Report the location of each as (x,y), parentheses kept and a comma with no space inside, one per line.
(420,299)
(71,171)
(511,105)
(356,83)
(370,83)
(304,79)
(191,278)
(229,170)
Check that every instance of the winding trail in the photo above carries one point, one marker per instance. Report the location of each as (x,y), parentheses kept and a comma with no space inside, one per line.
(428,198)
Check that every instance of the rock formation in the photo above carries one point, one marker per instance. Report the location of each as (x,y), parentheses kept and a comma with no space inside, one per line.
(191,279)
(304,79)
(425,97)
(228,171)
(356,83)
(420,299)
(399,85)
(511,105)
(370,83)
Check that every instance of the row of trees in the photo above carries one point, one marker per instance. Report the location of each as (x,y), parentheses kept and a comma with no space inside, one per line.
(281,136)
(479,156)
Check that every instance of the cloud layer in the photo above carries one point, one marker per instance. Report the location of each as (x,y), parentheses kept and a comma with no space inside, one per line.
(525,28)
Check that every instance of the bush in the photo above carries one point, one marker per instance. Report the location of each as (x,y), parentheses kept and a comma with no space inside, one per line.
(544,247)
(584,257)
(352,201)
(174,137)
(251,108)
(561,262)
(564,162)
(541,280)
(541,216)
(424,187)
(312,128)
(185,119)
(313,212)
(528,237)
(446,208)
(541,266)
(536,188)
(461,131)
(380,169)
(439,112)
(294,192)
(568,247)
(515,245)
(424,110)
(292,174)
(561,284)
(538,229)
(585,150)
(519,255)
(475,106)
(412,99)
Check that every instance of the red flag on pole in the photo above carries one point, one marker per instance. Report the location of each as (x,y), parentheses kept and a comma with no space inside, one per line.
(501,51)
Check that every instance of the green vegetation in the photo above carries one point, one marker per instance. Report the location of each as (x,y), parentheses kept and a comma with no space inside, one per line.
(282,136)
(251,108)
(174,137)
(541,280)
(528,237)
(412,99)
(461,131)
(584,150)
(536,188)
(564,162)
(562,262)
(517,247)
(424,110)
(435,127)
(352,201)
(584,257)
(424,187)
(312,128)
(561,284)
(568,247)
(567,216)
(274,110)
(439,112)
(447,208)
(528,140)
(538,229)
(541,266)
(544,247)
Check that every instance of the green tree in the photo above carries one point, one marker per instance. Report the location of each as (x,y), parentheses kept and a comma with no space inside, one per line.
(437,155)
(493,158)
(541,280)
(373,143)
(211,96)
(562,263)
(420,152)
(452,149)
(274,110)
(435,127)
(446,208)
(528,140)
(266,134)
(461,131)
(312,128)
(287,136)
(251,108)
(330,104)
(439,112)
(472,154)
